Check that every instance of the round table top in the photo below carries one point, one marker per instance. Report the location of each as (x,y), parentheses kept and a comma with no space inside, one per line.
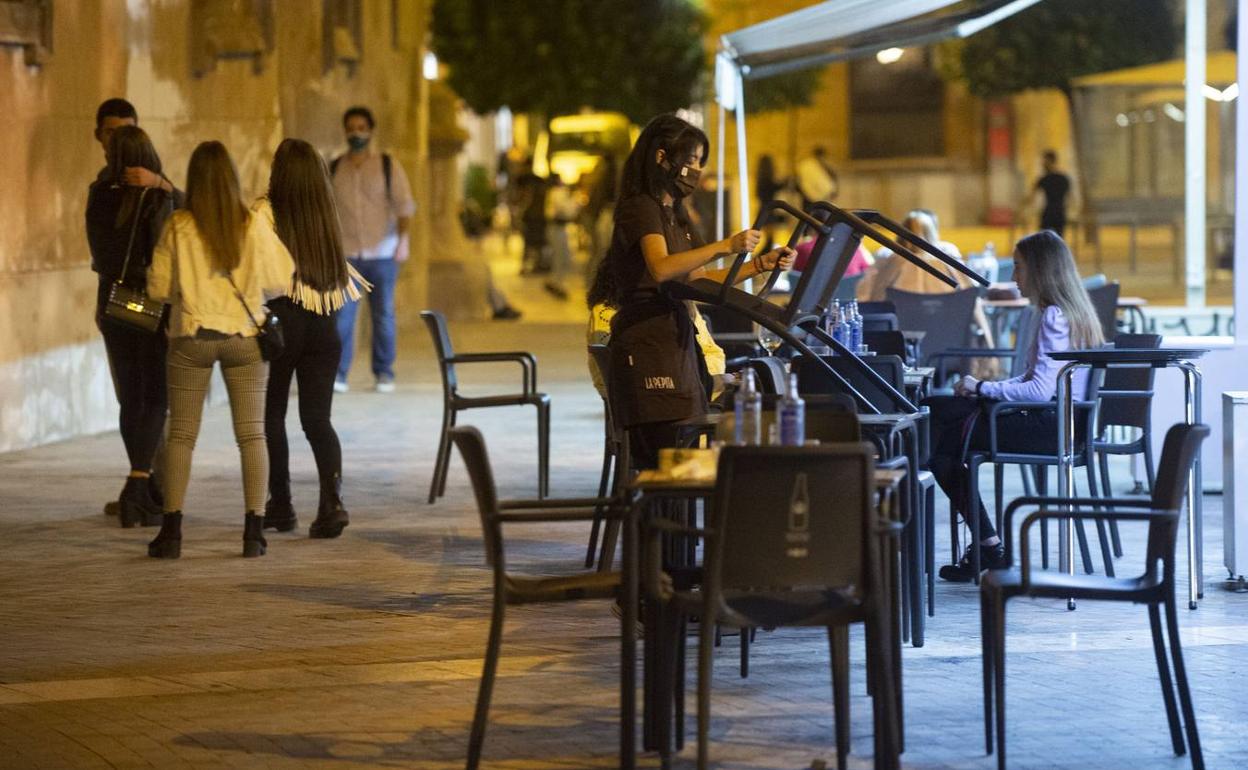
(1105,356)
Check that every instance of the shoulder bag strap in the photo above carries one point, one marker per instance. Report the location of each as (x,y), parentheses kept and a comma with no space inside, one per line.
(246,307)
(134,226)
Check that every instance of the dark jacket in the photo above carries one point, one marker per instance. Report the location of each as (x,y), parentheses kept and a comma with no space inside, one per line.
(108,238)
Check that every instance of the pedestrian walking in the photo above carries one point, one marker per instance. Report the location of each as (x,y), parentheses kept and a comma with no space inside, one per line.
(300,209)
(215,264)
(375,207)
(1054,188)
(123,223)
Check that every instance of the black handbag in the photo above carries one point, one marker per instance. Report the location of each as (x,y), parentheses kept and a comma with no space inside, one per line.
(270,338)
(127,305)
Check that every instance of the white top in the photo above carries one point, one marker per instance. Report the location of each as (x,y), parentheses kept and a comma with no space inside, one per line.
(201,297)
(369,217)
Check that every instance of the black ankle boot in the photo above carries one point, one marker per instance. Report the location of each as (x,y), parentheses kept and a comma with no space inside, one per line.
(279,514)
(168,542)
(254,543)
(331,517)
(135,504)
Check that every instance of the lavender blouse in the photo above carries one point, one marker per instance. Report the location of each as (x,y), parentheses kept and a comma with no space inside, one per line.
(1039,382)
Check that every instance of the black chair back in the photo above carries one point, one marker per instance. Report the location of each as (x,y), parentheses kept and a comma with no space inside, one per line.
(847,289)
(1178,453)
(813,378)
(880,322)
(877,308)
(793,518)
(770,373)
(1028,326)
(1105,302)
(885,343)
(1130,411)
(436,323)
(944,318)
(472,449)
(830,418)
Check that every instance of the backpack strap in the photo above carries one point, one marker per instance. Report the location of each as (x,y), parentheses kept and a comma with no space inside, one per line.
(386,166)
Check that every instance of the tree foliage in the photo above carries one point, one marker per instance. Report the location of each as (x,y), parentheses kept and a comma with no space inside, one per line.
(782,92)
(639,57)
(1053,42)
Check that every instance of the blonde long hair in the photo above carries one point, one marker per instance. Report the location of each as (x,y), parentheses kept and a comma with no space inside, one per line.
(1053,280)
(215,200)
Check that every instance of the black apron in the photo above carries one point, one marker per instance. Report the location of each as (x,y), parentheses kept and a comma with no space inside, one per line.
(656,364)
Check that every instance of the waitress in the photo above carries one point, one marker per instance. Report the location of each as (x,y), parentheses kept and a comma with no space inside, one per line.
(659,377)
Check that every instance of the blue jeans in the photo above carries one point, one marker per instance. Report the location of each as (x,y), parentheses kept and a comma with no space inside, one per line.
(382,274)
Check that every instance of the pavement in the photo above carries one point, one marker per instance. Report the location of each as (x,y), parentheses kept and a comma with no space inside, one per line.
(364,652)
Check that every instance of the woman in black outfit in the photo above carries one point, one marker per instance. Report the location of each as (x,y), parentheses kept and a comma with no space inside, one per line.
(658,375)
(115,210)
(300,206)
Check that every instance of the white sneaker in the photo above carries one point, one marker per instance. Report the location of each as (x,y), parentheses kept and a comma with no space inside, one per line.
(341,386)
(385,386)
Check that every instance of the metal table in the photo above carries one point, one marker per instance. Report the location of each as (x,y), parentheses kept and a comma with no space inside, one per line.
(1114,358)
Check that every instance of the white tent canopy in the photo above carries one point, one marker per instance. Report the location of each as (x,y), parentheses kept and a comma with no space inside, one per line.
(833,30)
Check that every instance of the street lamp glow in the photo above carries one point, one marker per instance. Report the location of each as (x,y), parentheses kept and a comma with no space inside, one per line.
(429,66)
(889,55)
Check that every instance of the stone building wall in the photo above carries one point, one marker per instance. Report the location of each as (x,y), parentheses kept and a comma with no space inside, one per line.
(311,59)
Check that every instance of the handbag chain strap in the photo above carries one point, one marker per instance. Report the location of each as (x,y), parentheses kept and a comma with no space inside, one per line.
(246,307)
(138,212)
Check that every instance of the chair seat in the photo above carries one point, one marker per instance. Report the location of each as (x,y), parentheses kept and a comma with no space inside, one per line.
(508,399)
(1059,585)
(565,588)
(790,608)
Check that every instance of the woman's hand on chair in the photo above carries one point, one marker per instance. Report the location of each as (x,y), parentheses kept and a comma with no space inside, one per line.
(781,255)
(746,240)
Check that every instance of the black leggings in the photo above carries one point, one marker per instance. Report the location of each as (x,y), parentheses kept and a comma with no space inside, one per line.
(1032,431)
(137,361)
(311,355)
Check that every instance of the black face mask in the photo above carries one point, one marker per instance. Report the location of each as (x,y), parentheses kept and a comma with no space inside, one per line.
(683,180)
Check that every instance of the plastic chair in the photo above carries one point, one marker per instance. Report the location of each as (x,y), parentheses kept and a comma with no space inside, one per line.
(944,318)
(780,552)
(1154,588)
(1127,401)
(1105,302)
(453,403)
(616,469)
(514,589)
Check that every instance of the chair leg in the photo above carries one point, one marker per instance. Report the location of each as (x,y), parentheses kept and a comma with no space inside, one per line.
(998,676)
(1042,488)
(998,493)
(1167,686)
(486,689)
(1108,489)
(838,643)
(679,680)
(706,633)
(745,652)
(604,482)
(443,458)
(1085,553)
(1150,472)
(543,450)
(971,513)
(1106,556)
(985,631)
(929,551)
(1180,674)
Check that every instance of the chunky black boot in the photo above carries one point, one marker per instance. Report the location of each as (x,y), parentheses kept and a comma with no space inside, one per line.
(135,504)
(279,514)
(168,542)
(254,543)
(331,517)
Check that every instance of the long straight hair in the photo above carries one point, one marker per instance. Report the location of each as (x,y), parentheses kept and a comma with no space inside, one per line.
(306,216)
(215,200)
(1053,280)
(129,147)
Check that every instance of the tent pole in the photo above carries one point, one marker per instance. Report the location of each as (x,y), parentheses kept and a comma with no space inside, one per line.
(719,171)
(1239,266)
(743,162)
(1194,152)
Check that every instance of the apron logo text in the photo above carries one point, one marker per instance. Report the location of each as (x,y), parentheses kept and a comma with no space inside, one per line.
(660,383)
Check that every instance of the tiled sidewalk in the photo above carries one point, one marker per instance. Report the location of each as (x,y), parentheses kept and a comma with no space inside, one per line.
(364,652)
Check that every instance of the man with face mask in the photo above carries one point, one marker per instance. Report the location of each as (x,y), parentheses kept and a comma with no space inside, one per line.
(375,206)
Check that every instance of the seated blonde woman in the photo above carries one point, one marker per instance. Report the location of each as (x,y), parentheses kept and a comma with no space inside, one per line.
(893,272)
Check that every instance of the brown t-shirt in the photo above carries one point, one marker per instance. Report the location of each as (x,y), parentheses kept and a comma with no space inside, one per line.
(635,218)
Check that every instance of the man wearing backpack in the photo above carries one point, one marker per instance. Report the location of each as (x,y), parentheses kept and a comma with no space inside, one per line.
(375,207)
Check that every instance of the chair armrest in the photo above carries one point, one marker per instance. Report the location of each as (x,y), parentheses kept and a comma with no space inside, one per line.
(555,504)
(998,409)
(1007,520)
(526,361)
(1045,514)
(975,353)
(552,516)
(1106,394)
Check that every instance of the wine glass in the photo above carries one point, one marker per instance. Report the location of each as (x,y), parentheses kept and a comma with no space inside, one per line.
(769,340)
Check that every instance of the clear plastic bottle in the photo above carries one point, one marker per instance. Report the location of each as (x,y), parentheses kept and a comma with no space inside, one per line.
(834,318)
(855,328)
(791,416)
(748,412)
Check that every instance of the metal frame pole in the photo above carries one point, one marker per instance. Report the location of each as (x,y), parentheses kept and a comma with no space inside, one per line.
(1196,28)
